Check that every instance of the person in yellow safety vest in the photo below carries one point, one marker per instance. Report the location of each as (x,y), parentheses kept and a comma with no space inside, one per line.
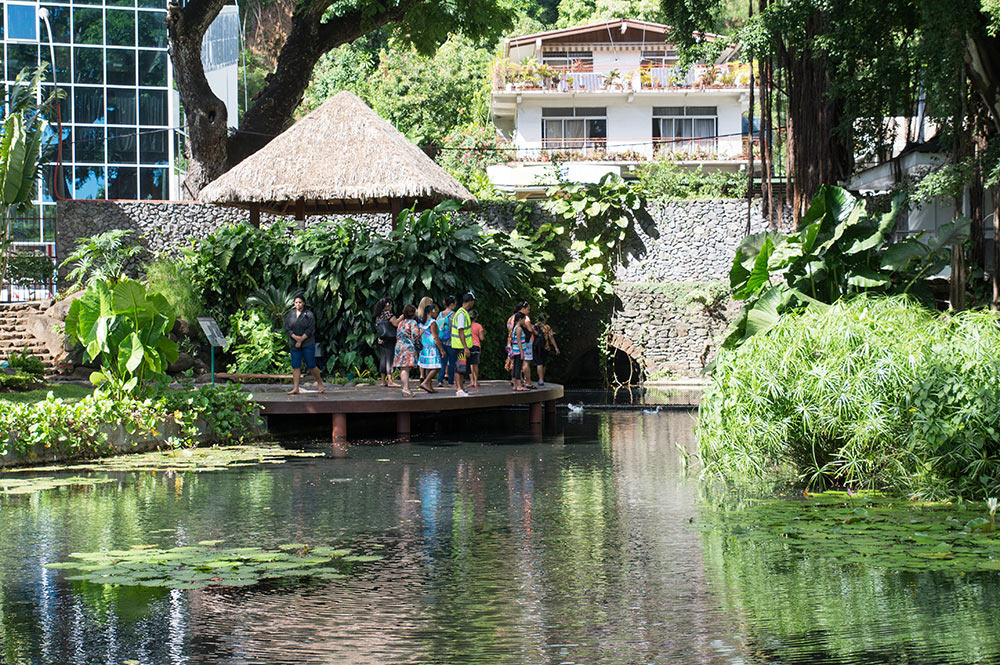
(461,341)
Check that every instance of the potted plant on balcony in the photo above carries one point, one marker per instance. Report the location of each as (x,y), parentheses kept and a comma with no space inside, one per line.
(728,77)
(709,76)
(612,80)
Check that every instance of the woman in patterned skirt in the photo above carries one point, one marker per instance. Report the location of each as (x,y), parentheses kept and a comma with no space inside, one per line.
(407,335)
(431,348)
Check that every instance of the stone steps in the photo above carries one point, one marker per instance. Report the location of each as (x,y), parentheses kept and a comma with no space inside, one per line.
(14,338)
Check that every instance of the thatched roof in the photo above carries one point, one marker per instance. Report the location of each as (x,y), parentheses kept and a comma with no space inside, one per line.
(342,157)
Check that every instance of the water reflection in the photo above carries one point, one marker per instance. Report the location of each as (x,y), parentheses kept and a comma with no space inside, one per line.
(580,549)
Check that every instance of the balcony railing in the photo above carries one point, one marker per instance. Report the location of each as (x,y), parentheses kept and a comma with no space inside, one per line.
(511,77)
(679,148)
(35,282)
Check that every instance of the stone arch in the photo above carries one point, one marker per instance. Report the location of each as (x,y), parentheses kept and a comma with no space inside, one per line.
(626,364)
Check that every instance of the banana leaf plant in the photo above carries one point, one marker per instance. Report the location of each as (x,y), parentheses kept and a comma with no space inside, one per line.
(22,134)
(125,328)
(838,251)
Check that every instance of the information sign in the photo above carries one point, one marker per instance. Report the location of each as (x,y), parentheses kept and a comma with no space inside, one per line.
(212,331)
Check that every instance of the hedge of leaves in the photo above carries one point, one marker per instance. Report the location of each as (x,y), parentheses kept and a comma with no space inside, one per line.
(867,393)
(85,427)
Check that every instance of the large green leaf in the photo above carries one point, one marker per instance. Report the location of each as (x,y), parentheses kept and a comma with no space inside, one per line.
(30,168)
(899,255)
(129,295)
(866,278)
(12,153)
(765,313)
(950,234)
(759,275)
(131,353)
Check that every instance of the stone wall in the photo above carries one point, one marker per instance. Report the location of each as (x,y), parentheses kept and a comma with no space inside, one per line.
(669,330)
(162,225)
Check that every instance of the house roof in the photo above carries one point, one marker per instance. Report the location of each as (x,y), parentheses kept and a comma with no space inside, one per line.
(341,157)
(607,26)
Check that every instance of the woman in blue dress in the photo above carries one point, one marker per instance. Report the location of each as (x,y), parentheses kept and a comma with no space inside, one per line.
(431,348)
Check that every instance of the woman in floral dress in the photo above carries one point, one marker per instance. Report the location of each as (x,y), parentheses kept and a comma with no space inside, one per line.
(407,335)
(431,348)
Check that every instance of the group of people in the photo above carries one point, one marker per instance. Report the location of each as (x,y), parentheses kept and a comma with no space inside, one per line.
(432,339)
(449,339)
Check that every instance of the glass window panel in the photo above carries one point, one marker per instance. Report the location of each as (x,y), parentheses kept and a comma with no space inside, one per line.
(683,128)
(121,27)
(25,228)
(668,110)
(701,110)
(1,23)
(552,129)
(22,22)
(64,106)
(57,182)
(120,3)
(87,2)
(49,225)
(153,184)
(121,66)
(153,4)
(89,144)
(557,112)
(20,56)
(88,26)
(90,182)
(704,128)
(153,108)
(153,29)
(59,22)
(88,65)
(153,68)
(64,56)
(122,145)
(591,111)
(153,146)
(574,129)
(597,128)
(88,105)
(121,106)
(122,182)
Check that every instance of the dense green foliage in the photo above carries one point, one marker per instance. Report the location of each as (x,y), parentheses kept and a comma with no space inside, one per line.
(257,344)
(664,179)
(25,361)
(125,328)
(869,393)
(101,257)
(168,276)
(839,251)
(343,269)
(89,426)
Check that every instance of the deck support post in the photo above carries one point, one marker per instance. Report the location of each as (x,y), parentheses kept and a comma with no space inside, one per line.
(550,407)
(402,424)
(535,414)
(340,435)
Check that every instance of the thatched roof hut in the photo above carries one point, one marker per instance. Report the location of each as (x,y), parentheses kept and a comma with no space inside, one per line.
(340,158)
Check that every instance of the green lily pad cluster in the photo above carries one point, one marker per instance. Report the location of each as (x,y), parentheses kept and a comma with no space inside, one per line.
(867,529)
(205,565)
(37,484)
(188,459)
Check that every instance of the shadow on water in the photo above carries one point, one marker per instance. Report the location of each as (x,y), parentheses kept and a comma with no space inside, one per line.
(499,548)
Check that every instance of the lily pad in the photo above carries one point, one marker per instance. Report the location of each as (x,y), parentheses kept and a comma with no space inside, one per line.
(205,565)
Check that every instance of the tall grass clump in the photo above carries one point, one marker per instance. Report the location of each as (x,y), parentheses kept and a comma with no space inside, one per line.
(869,392)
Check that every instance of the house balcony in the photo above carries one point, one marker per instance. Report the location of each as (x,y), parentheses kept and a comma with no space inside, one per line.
(515,77)
(682,149)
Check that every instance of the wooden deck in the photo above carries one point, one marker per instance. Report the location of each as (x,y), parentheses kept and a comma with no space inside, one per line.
(340,401)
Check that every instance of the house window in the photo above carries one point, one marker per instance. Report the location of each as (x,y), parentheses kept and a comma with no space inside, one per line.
(574,128)
(570,61)
(686,128)
(651,59)
(22,22)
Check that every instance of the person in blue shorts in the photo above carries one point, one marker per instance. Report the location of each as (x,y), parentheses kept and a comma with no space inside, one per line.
(300,326)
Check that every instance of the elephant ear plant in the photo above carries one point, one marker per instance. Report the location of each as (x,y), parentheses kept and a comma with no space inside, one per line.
(125,328)
(839,251)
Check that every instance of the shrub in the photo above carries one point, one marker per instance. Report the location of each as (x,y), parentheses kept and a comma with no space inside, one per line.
(82,428)
(102,257)
(257,347)
(17,381)
(869,393)
(172,276)
(467,151)
(25,361)
(666,180)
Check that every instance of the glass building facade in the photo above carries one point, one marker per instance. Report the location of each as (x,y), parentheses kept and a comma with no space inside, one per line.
(120,112)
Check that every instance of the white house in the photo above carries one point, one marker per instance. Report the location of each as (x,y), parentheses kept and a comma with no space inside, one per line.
(603,97)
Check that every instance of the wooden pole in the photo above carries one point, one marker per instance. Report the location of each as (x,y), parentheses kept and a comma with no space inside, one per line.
(255,215)
(403,424)
(300,212)
(340,435)
(535,414)
(395,207)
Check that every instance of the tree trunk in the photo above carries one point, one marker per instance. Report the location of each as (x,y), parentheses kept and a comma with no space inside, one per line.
(206,115)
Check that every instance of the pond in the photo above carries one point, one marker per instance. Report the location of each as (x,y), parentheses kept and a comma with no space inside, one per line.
(590,546)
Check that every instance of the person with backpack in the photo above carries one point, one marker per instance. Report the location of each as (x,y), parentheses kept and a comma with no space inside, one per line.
(461,342)
(444,333)
(385,329)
